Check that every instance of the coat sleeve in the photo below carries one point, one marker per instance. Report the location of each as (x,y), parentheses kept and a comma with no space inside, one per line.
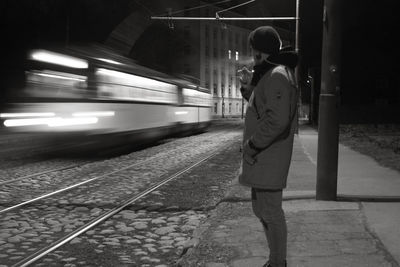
(246,92)
(275,116)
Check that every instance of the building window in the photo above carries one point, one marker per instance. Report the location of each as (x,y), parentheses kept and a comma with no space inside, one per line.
(215,33)
(237,107)
(215,108)
(207,51)
(214,89)
(229,91)
(230,108)
(229,54)
(237,55)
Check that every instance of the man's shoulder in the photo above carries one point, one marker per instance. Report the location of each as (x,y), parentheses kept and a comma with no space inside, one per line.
(279,70)
(277,74)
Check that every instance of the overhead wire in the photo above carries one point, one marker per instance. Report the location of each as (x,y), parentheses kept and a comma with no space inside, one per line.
(146,8)
(193,8)
(150,11)
(233,7)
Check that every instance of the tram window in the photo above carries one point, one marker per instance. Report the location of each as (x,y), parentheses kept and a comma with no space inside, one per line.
(125,86)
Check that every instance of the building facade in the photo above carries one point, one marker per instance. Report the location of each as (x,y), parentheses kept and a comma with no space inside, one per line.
(223,51)
(208,52)
(213,53)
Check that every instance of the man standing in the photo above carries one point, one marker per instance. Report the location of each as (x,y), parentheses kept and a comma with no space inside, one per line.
(270,124)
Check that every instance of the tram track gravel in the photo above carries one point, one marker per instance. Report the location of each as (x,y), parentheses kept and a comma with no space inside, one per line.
(157,230)
(71,209)
(34,187)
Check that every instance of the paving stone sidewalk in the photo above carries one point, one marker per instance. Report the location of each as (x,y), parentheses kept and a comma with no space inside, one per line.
(320,233)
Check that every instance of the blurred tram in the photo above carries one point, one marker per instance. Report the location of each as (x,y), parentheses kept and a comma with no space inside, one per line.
(79,94)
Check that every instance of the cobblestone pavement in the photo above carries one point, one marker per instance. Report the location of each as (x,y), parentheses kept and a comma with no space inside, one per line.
(33,187)
(137,234)
(156,231)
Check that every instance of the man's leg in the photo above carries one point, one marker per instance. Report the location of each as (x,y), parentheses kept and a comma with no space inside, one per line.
(267,206)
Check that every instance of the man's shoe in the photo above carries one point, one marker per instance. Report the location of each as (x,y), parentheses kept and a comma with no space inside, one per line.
(267,264)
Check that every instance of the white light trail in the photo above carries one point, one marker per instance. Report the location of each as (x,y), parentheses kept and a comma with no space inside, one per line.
(180,112)
(51,122)
(28,122)
(33,114)
(135,80)
(60,77)
(109,61)
(73,121)
(94,113)
(59,59)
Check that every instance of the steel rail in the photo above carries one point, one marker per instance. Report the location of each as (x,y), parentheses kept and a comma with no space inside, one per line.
(46,250)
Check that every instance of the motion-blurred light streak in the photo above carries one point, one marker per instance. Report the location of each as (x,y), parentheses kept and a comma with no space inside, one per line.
(34,114)
(94,113)
(51,122)
(59,59)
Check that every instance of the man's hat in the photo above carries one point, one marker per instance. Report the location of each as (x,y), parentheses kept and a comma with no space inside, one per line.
(266,40)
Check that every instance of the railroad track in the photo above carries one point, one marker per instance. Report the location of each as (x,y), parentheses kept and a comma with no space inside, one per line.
(56,244)
(20,165)
(89,188)
(30,176)
(21,185)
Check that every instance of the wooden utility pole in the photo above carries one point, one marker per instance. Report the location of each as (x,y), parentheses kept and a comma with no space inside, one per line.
(328,126)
